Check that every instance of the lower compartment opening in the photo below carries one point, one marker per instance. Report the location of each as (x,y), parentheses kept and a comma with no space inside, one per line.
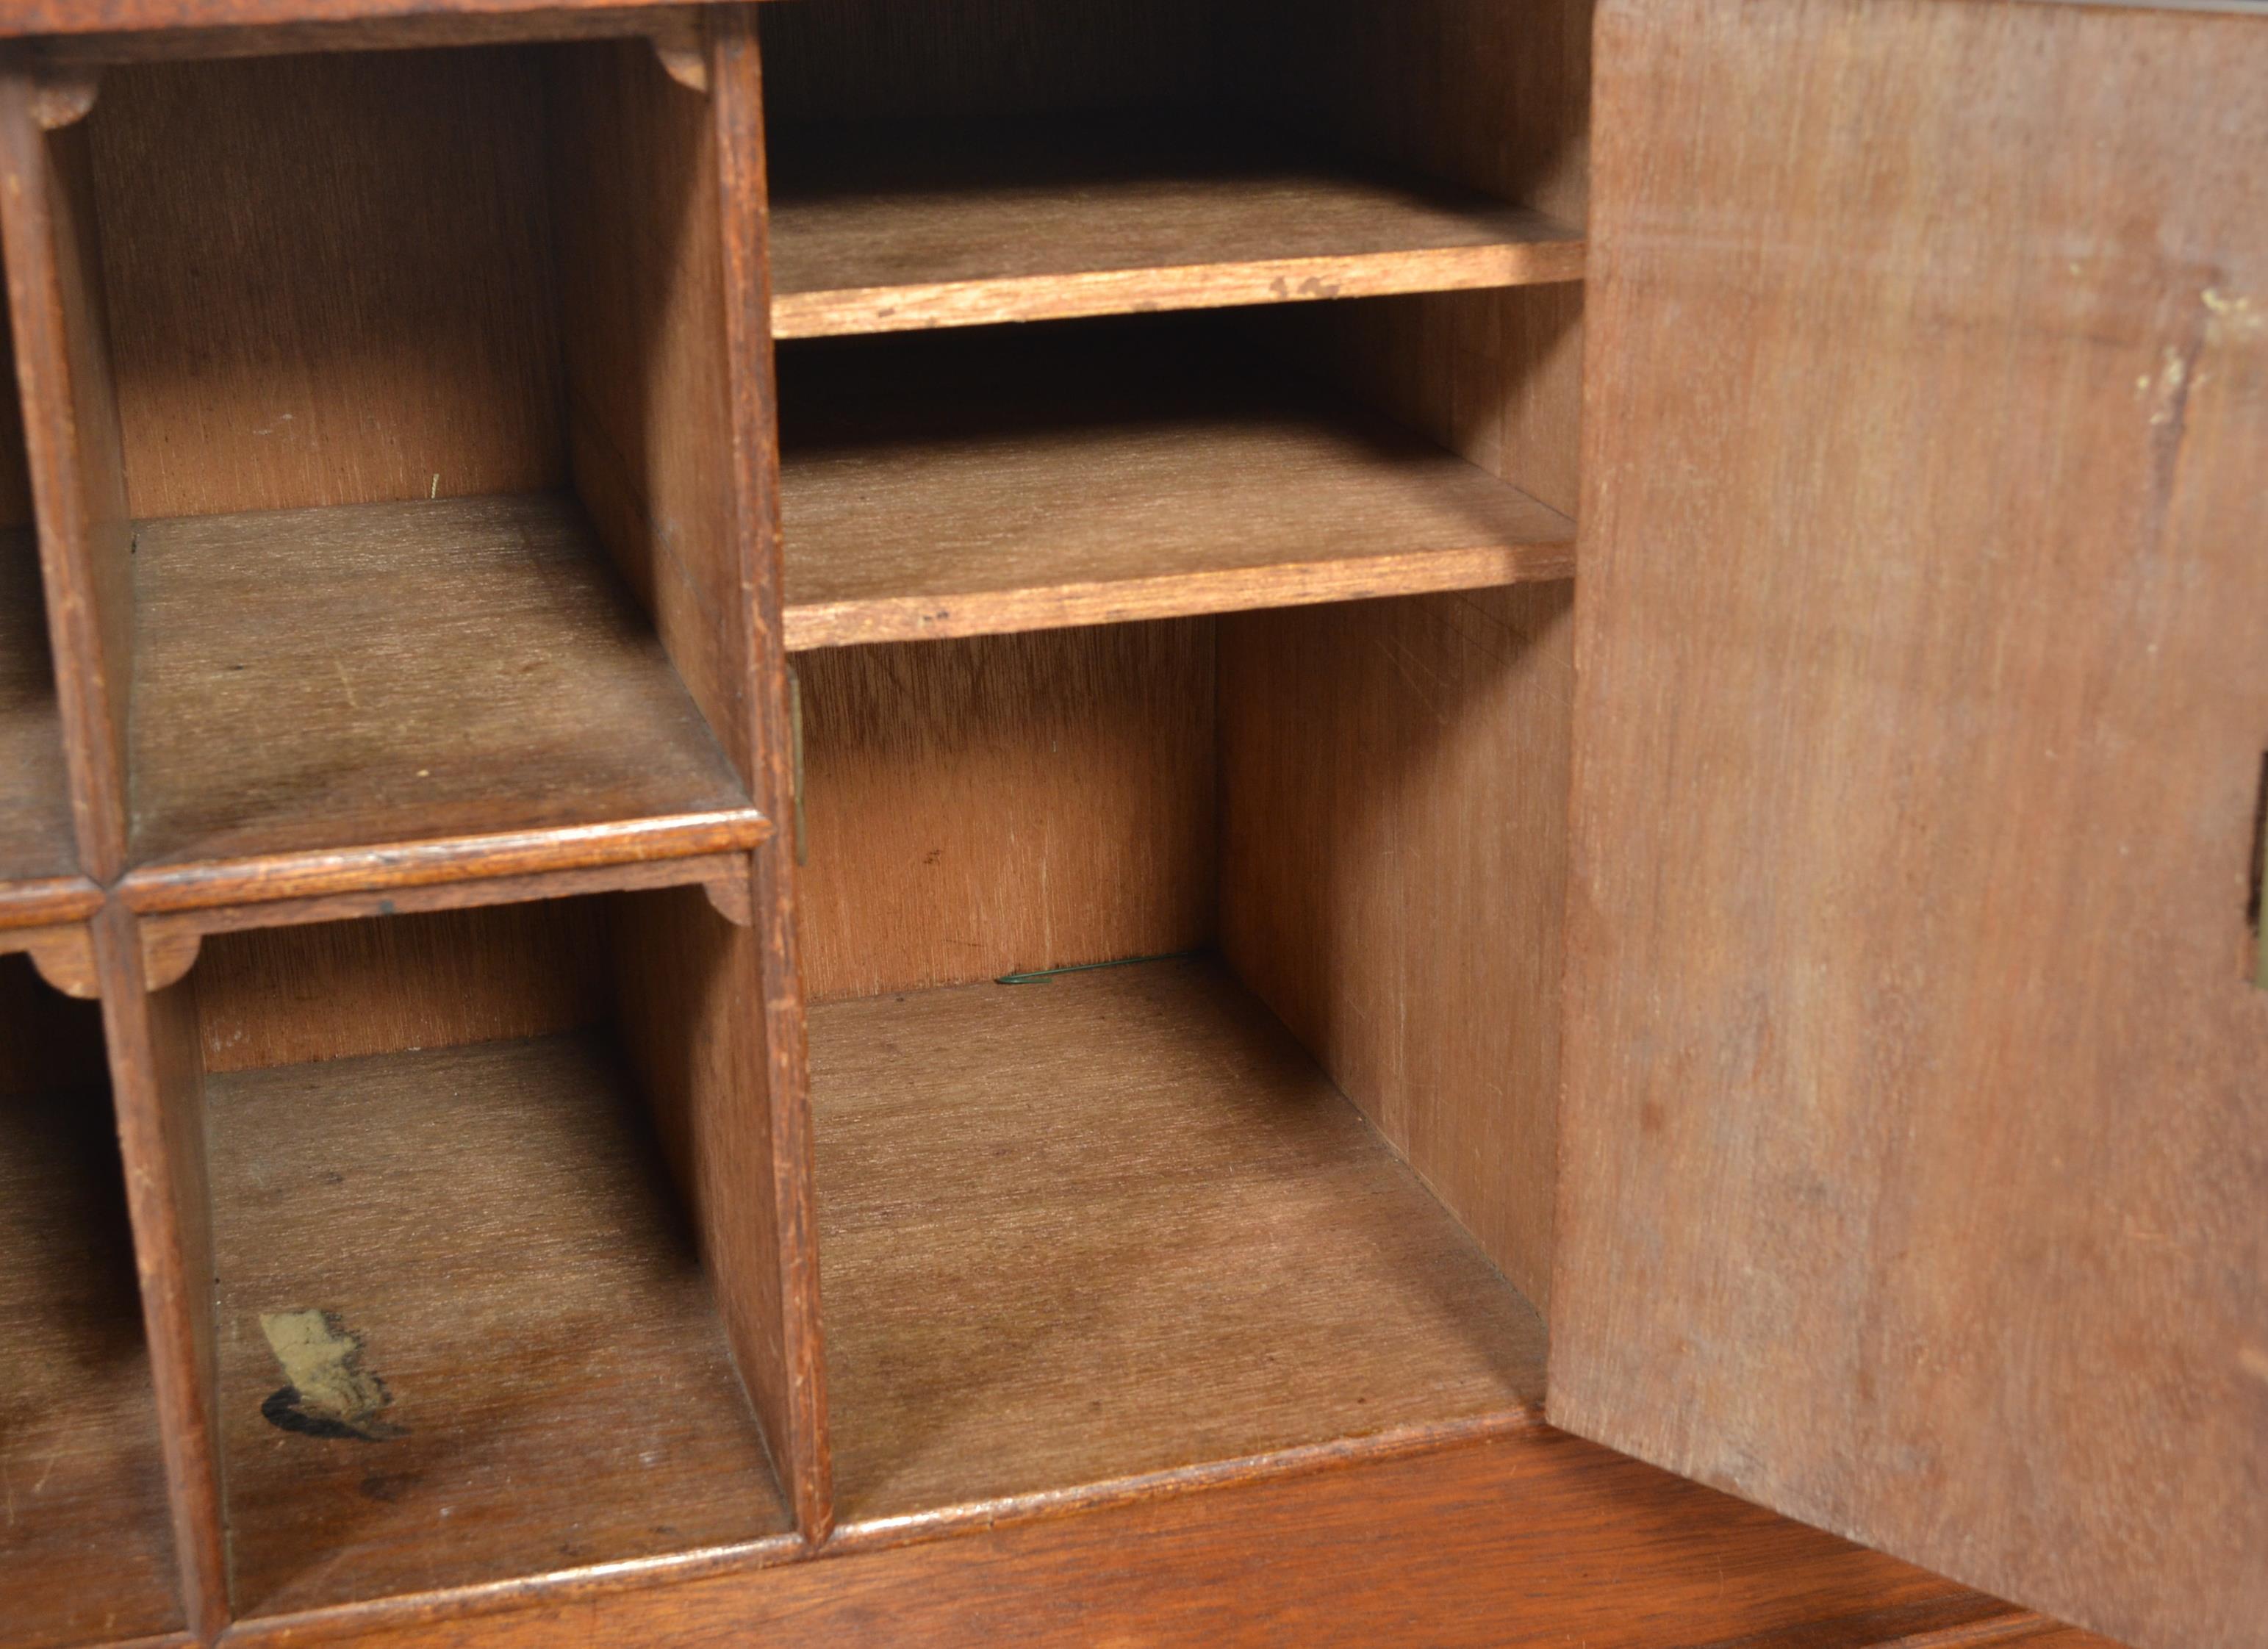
(1261,1192)
(85,1548)
(464,1331)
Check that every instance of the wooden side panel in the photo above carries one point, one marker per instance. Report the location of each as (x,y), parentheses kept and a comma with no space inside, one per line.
(1426,873)
(336,990)
(641,228)
(661,217)
(72,442)
(330,279)
(1915,1148)
(1015,802)
(157,1081)
(1394,782)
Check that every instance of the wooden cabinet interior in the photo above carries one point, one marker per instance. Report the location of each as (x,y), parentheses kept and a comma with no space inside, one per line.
(421,563)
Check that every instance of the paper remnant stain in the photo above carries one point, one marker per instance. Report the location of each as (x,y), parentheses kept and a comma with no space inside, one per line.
(330,1393)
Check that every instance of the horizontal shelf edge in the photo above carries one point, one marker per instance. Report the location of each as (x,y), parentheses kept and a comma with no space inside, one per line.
(321,872)
(42,901)
(1070,295)
(814,625)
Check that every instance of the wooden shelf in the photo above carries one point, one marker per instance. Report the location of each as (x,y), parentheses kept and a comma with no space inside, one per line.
(962,486)
(86,1554)
(903,227)
(494,1224)
(335,699)
(1116,1223)
(35,823)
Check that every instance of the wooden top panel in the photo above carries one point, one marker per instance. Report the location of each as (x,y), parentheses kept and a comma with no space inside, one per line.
(960,486)
(543,1381)
(85,1553)
(102,17)
(910,227)
(1116,1222)
(1915,1153)
(425,677)
(35,823)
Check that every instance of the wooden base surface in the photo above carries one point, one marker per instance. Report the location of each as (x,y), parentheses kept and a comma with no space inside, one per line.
(1113,1223)
(465,670)
(468,1265)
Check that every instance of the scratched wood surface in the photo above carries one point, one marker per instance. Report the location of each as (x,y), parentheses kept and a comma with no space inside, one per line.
(555,1387)
(967,485)
(84,1549)
(1916,1143)
(396,672)
(1115,1223)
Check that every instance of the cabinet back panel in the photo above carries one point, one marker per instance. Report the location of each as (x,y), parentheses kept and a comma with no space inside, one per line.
(882,59)
(337,990)
(47,1040)
(330,278)
(1013,802)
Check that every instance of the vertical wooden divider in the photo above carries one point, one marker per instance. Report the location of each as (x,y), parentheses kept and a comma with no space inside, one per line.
(157,1074)
(72,441)
(672,432)
(78,485)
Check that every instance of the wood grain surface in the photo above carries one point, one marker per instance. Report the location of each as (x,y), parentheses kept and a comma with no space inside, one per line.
(1394,866)
(338,989)
(1916,1137)
(157,1083)
(974,807)
(88,17)
(36,818)
(1116,1222)
(386,675)
(1516,1541)
(1490,95)
(84,1549)
(979,485)
(371,318)
(895,227)
(72,443)
(556,1391)
(641,221)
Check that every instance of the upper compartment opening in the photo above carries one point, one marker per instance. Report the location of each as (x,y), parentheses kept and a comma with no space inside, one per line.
(395,370)
(983,160)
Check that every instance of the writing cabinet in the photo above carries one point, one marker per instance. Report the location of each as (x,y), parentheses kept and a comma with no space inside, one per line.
(815,760)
